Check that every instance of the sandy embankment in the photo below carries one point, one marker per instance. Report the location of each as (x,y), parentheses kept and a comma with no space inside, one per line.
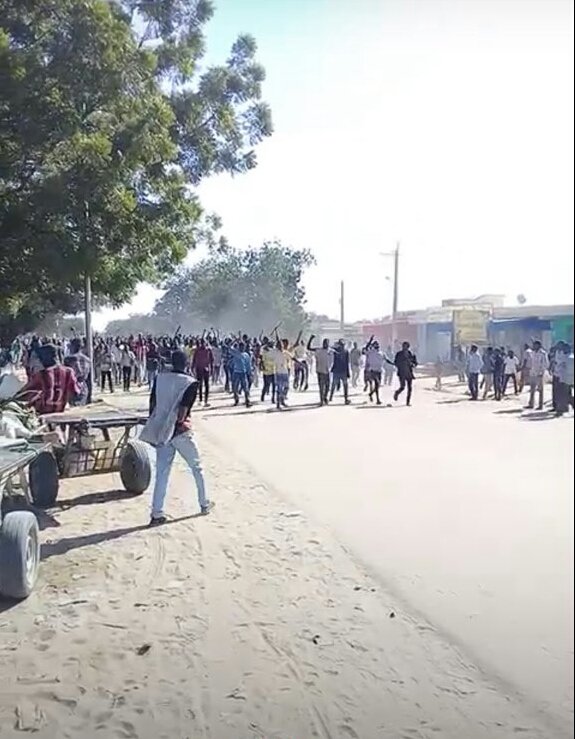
(252,622)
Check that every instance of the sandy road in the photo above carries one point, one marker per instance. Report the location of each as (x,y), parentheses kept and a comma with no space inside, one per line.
(253,622)
(464,510)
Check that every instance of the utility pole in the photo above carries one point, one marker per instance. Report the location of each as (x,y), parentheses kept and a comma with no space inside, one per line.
(88,327)
(395,296)
(395,255)
(88,303)
(341,307)
(88,314)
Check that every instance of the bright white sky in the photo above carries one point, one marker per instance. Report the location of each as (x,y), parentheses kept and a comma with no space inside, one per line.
(445,124)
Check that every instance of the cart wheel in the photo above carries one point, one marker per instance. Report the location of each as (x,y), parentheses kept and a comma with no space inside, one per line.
(43,473)
(19,554)
(136,470)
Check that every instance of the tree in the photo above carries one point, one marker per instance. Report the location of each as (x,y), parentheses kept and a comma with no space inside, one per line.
(58,324)
(251,291)
(131,326)
(316,322)
(104,130)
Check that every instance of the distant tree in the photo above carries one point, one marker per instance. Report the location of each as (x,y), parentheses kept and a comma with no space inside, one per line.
(105,122)
(135,324)
(60,325)
(249,290)
(316,322)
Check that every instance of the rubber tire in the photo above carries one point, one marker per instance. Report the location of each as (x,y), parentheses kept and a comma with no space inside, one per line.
(44,481)
(17,528)
(136,468)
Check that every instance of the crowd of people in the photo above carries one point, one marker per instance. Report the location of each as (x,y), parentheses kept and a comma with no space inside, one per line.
(269,367)
(246,367)
(494,370)
(181,369)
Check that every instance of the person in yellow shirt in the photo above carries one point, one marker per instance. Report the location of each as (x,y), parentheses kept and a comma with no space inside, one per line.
(282,361)
(268,368)
(189,350)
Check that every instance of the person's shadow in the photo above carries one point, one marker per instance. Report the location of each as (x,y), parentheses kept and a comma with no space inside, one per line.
(54,549)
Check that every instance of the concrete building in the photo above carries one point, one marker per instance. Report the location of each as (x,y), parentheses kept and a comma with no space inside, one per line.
(434,331)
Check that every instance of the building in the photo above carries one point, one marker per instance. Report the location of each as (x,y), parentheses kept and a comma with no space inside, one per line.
(484,320)
(521,324)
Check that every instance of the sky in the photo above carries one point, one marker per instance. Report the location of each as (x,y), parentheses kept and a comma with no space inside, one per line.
(445,125)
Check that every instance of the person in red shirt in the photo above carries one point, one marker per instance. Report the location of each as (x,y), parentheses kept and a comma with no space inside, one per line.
(202,367)
(51,388)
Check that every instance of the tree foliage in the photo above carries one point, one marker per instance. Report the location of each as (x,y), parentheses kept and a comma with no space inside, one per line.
(107,121)
(251,291)
(135,324)
(58,324)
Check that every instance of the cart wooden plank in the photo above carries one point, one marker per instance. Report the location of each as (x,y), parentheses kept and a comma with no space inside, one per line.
(97,415)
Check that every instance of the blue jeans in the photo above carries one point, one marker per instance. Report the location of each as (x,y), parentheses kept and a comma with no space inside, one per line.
(151,376)
(282,384)
(186,446)
(240,383)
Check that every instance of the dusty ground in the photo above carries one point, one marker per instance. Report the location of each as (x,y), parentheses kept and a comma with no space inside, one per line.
(464,510)
(253,622)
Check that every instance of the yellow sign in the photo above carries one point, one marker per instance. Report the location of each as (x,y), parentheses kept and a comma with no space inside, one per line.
(470,326)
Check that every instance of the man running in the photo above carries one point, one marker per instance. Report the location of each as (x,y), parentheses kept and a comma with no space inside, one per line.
(405,362)
(374,362)
(340,371)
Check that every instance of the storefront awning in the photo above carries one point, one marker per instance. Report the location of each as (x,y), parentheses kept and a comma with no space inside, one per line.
(530,323)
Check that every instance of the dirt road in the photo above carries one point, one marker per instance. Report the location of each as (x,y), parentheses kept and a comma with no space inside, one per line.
(258,621)
(464,510)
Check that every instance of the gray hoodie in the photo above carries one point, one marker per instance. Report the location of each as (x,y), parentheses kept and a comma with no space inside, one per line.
(170,389)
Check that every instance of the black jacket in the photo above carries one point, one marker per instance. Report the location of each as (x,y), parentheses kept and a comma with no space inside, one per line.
(405,361)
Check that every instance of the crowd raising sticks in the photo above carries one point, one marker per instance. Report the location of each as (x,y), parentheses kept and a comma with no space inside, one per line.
(270,366)
(181,369)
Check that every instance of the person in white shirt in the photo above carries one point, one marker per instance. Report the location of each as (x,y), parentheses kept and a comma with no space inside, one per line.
(117,363)
(323,361)
(355,363)
(539,366)
(128,360)
(511,365)
(374,361)
(474,366)
(525,367)
(301,370)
